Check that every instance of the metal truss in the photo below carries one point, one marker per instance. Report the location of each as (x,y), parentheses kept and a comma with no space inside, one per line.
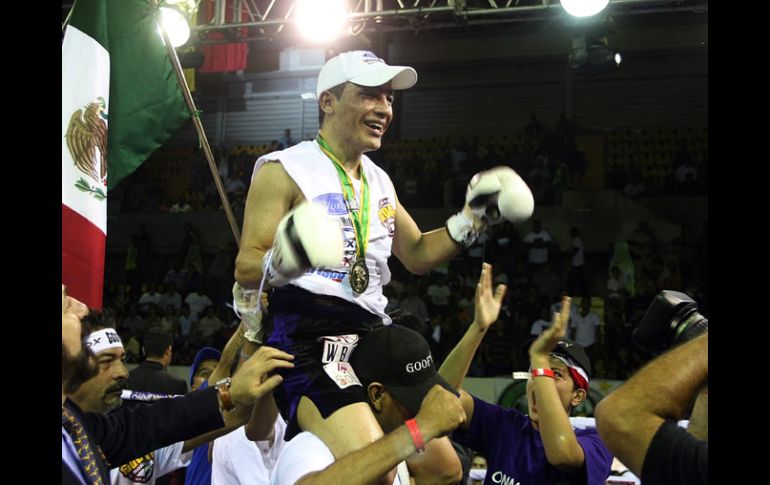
(251,20)
(268,19)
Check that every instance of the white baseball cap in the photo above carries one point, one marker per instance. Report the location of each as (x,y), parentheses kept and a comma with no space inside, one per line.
(365,69)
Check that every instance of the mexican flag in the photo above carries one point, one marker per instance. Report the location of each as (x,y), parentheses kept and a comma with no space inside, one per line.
(120,102)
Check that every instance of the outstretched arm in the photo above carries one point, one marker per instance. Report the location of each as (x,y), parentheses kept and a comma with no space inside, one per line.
(439,414)
(699,417)
(261,425)
(487,309)
(628,418)
(420,251)
(229,356)
(455,366)
(559,440)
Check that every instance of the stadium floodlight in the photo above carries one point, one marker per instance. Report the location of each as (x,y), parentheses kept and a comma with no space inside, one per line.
(321,21)
(583,8)
(175,25)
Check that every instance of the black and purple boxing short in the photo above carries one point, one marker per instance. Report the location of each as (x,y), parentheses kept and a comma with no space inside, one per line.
(320,331)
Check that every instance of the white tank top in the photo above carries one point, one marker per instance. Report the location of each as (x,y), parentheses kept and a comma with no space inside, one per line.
(316,177)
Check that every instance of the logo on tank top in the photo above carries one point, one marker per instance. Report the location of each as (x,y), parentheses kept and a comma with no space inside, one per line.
(335,206)
(334,202)
(387,214)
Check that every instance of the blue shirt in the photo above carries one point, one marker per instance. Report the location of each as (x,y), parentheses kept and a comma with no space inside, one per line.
(515,452)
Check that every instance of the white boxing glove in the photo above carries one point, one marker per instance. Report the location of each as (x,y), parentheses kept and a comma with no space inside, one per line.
(307,237)
(499,194)
(492,196)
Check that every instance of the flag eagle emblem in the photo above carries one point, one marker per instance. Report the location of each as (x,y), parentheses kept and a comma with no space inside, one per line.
(87,133)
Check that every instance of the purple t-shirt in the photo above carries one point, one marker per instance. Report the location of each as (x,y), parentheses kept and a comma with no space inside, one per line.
(515,453)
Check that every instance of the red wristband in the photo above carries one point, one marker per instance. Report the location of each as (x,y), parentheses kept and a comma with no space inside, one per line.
(414,430)
(543,372)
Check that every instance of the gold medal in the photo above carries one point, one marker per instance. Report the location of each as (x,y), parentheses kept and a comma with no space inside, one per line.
(359,276)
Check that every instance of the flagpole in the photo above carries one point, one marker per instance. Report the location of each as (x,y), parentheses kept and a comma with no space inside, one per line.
(67,19)
(201,133)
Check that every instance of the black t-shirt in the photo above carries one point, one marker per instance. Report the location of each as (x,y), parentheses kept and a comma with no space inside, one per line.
(675,456)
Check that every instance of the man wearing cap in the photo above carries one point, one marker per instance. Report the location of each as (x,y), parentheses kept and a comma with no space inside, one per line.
(410,401)
(541,448)
(320,310)
(102,394)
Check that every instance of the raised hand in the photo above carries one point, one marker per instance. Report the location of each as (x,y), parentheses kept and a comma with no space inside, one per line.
(546,342)
(487,304)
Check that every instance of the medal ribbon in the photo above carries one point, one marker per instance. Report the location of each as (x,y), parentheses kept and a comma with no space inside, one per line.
(360,216)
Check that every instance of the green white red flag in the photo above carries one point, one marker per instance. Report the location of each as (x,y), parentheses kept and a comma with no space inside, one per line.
(115,74)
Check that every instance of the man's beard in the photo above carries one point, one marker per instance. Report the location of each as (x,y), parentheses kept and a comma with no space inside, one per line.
(76,370)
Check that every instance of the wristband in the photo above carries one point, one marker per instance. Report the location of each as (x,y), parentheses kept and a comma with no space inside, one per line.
(461,230)
(414,430)
(543,372)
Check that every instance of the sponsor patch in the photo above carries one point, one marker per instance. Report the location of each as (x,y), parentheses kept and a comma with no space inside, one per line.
(387,215)
(342,374)
(334,202)
(338,348)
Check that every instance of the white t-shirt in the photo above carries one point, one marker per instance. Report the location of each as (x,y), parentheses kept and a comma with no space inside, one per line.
(538,255)
(539,326)
(149,467)
(150,298)
(577,258)
(239,461)
(306,453)
(585,328)
(197,302)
